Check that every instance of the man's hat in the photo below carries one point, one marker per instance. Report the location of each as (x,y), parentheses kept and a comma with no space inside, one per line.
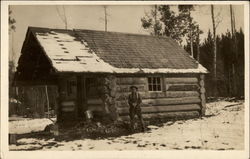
(131,87)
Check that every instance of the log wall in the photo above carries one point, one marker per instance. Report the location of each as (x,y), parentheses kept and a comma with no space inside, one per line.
(180,96)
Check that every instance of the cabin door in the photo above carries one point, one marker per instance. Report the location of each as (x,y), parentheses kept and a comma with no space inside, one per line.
(87,94)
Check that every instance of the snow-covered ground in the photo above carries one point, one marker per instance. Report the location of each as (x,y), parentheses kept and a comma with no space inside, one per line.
(221,129)
(28,125)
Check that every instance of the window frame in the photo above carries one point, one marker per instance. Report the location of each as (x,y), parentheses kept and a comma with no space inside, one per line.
(152,83)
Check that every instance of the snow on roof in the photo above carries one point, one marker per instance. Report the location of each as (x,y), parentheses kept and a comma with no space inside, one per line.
(69,55)
(108,52)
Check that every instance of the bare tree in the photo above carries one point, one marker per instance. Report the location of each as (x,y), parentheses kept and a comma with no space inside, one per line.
(234,50)
(105,18)
(214,39)
(198,44)
(215,22)
(62,16)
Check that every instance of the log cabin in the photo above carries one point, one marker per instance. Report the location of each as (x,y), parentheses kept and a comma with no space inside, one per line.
(93,71)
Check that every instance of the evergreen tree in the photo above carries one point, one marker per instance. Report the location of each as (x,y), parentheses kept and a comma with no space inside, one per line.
(225,57)
(162,21)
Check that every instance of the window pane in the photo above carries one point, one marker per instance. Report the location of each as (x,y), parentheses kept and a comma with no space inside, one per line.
(158,87)
(154,80)
(150,87)
(154,87)
(149,80)
(158,80)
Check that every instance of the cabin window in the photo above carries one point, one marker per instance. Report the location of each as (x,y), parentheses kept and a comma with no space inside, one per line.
(71,87)
(154,84)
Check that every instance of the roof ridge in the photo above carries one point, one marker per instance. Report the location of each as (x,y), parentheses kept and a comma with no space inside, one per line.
(125,33)
(34,27)
(94,30)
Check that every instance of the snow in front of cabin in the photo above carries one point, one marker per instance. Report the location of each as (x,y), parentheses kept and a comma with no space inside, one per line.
(28,125)
(70,55)
(221,129)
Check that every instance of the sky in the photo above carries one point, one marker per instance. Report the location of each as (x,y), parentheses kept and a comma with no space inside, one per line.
(125,18)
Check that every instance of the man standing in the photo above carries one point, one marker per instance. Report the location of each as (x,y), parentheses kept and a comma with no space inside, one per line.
(134,101)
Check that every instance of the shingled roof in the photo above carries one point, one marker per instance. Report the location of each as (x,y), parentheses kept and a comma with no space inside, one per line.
(113,52)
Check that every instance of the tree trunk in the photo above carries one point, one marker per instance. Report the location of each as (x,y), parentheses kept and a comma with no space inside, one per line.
(234,50)
(198,44)
(105,18)
(155,18)
(191,34)
(214,53)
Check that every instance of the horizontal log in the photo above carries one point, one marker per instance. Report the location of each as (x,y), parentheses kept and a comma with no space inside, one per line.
(131,80)
(182,87)
(68,109)
(159,109)
(164,101)
(94,101)
(98,108)
(68,103)
(170,115)
(147,95)
(125,80)
(169,101)
(168,94)
(32,83)
(124,95)
(126,88)
(181,80)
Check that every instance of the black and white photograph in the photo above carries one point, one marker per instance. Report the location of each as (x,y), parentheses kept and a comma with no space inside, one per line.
(126,77)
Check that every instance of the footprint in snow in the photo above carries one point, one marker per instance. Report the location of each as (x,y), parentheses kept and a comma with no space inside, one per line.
(128,137)
(139,145)
(177,148)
